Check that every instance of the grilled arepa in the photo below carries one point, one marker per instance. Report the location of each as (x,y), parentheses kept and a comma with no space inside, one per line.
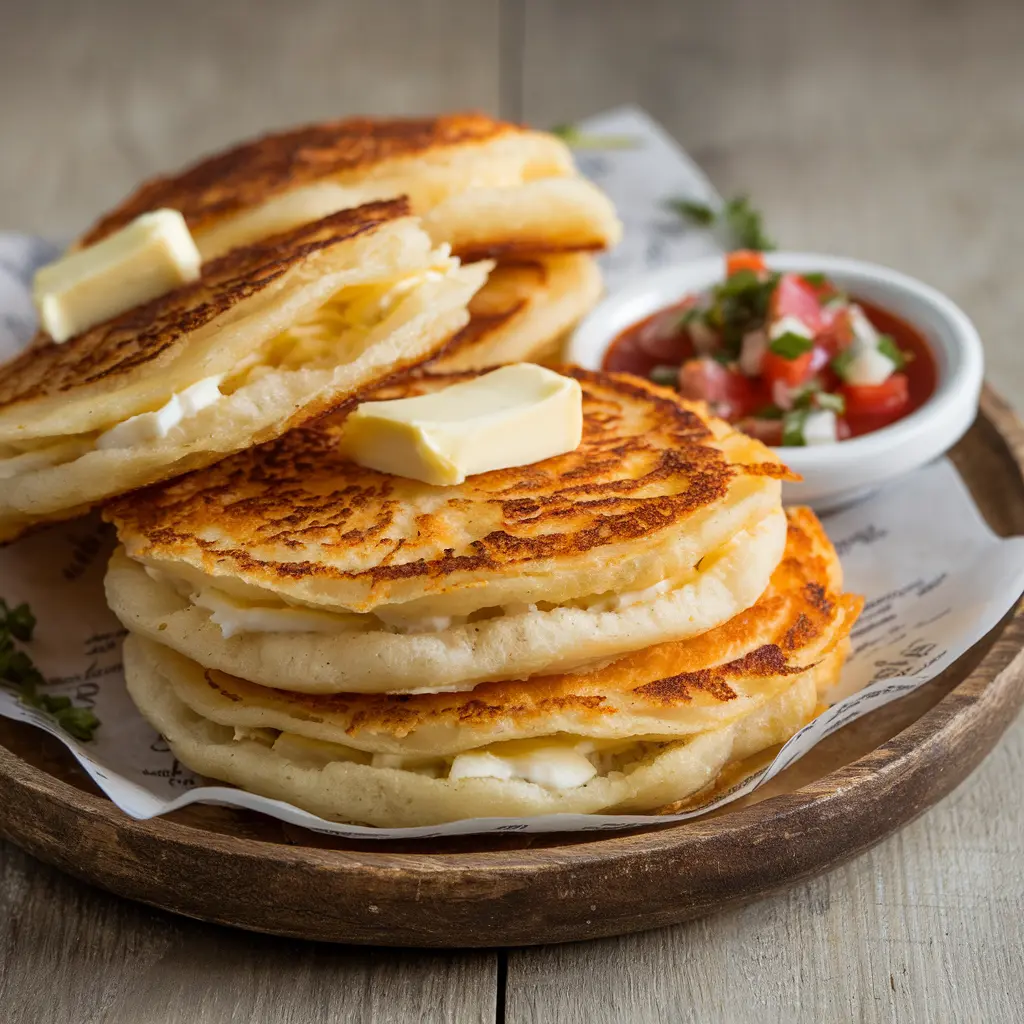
(523,311)
(648,729)
(292,566)
(270,335)
(484,186)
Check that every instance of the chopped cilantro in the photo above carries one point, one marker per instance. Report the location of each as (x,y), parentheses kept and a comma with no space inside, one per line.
(664,375)
(575,138)
(816,279)
(722,357)
(830,400)
(770,412)
(793,428)
(18,671)
(790,345)
(841,362)
(888,347)
(741,281)
(804,398)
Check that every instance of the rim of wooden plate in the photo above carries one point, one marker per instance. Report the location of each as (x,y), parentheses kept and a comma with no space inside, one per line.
(556,888)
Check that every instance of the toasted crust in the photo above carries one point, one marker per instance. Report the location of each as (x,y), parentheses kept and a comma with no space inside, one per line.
(248,174)
(149,334)
(297,517)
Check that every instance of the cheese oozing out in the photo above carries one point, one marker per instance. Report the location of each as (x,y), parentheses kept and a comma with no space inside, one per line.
(514,416)
(235,615)
(151,426)
(548,763)
(147,258)
(558,762)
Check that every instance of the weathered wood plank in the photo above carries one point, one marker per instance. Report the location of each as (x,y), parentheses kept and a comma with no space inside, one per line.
(71,954)
(100,95)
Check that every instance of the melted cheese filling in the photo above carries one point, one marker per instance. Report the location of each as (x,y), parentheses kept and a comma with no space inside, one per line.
(335,334)
(554,762)
(236,615)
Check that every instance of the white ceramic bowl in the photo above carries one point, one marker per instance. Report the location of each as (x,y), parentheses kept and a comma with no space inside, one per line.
(833,475)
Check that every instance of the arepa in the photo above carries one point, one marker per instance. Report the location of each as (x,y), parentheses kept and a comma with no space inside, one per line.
(484,186)
(523,311)
(270,335)
(646,730)
(292,566)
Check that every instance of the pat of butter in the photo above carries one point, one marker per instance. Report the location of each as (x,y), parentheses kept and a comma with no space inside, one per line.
(147,258)
(513,416)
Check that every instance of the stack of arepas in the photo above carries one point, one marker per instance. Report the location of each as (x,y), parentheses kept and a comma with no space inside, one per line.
(603,630)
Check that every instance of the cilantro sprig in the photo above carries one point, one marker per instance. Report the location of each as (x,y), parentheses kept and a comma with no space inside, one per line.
(742,224)
(19,671)
(888,347)
(576,138)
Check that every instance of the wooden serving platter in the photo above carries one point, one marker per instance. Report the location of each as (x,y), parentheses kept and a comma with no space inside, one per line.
(854,789)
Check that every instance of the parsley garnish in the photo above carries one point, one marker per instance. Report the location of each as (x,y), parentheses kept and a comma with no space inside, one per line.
(574,138)
(888,347)
(790,345)
(743,225)
(18,670)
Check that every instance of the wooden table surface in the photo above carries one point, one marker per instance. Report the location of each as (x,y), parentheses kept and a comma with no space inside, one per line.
(888,130)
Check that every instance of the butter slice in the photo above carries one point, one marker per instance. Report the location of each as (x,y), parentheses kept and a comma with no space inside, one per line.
(513,416)
(149,257)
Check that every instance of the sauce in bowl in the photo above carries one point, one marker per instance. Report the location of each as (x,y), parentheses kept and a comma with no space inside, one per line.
(787,357)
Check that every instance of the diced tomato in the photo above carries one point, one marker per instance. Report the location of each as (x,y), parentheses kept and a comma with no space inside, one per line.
(793,296)
(791,372)
(836,330)
(887,398)
(743,259)
(730,394)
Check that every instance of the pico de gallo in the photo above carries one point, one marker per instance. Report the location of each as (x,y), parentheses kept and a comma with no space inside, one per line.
(789,358)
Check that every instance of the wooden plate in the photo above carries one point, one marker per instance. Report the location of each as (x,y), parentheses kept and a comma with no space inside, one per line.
(854,789)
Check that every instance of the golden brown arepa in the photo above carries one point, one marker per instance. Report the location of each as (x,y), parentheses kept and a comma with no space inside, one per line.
(271,334)
(290,565)
(486,187)
(643,731)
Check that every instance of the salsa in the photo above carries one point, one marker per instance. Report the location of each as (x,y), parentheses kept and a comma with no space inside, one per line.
(789,358)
